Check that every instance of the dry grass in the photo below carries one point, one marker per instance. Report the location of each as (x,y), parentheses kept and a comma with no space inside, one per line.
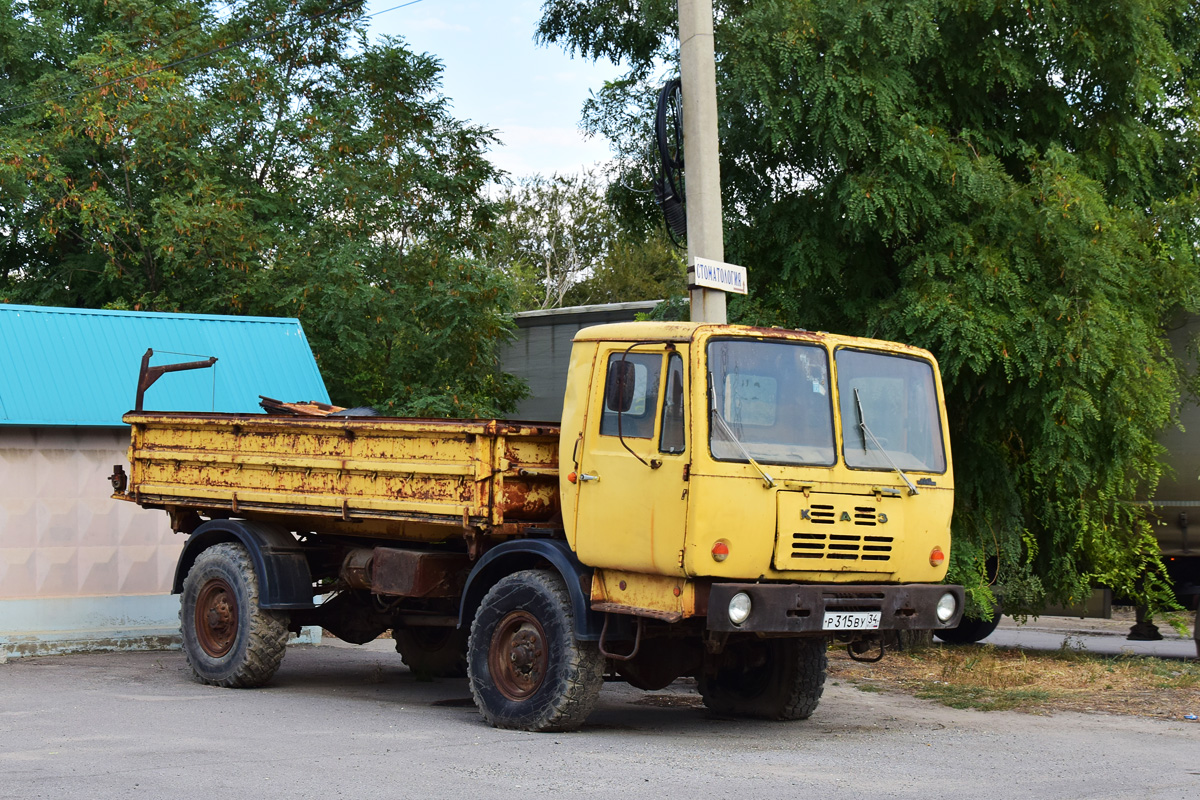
(991,678)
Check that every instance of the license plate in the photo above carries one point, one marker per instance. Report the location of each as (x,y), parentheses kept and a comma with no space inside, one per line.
(851,620)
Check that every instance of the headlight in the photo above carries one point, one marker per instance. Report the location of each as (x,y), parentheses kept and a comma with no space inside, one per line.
(739,608)
(946,607)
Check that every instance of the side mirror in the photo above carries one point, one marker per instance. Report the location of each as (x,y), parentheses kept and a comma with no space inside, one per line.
(618,392)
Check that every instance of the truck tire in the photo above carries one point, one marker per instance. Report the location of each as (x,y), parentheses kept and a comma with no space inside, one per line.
(526,668)
(778,679)
(227,639)
(433,652)
(969,631)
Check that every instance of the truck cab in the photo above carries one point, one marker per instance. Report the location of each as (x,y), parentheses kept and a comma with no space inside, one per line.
(699,455)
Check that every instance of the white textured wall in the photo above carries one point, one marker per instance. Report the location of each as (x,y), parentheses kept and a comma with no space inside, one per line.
(78,570)
(61,534)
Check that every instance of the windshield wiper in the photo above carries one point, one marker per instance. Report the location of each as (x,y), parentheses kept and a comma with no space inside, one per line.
(733,438)
(862,424)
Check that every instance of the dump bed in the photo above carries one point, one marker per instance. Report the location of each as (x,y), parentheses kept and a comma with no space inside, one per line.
(371,476)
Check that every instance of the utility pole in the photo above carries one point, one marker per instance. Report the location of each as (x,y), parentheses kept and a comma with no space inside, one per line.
(698,76)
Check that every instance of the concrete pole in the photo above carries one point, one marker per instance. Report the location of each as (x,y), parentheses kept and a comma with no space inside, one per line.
(698,75)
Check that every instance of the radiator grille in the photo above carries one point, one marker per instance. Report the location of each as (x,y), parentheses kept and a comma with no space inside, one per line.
(841,546)
(865,515)
(824,531)
(822,514)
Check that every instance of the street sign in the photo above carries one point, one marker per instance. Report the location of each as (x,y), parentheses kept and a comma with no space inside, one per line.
(704,272)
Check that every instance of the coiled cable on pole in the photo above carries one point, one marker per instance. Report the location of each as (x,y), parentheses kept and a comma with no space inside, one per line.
(668,190)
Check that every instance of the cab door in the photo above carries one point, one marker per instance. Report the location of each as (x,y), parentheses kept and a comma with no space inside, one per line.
(632,474)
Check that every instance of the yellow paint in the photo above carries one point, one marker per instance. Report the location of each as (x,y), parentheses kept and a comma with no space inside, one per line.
(641,591)
(292,469)
(570,443)
(623,529)
(633,516)
(651,525)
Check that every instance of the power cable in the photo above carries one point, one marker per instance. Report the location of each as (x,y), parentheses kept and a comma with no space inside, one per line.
(393,8)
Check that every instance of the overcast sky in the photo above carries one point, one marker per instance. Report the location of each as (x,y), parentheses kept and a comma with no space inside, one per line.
(495,75)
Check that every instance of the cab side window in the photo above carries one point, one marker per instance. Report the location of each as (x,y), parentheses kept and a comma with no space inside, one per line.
(631,395)
(672,439)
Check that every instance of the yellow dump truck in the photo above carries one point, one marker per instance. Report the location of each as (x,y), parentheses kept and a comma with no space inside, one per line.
(717,501)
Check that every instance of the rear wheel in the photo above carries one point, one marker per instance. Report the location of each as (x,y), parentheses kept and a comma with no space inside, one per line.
(433,652)
(227,639)
(767,678)
(527,670)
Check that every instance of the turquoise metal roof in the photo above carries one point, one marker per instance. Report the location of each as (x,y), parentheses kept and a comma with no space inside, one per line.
(68,366)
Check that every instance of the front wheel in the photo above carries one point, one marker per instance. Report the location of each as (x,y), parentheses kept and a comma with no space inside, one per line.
(227,639)
(526,668)
(767,678)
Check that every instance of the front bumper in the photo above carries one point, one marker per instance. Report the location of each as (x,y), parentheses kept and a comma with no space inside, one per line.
(797,608)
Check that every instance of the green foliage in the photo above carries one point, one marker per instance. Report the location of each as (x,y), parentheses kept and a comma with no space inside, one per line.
(553,232)
(633,268)
(563,243)
(152,158)
(1011,185)
(982,698)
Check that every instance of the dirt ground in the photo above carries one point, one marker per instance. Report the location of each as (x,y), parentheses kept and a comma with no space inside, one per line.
(987,677)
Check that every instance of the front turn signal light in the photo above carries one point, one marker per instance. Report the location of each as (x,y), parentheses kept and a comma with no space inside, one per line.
(936,557)
(720,550)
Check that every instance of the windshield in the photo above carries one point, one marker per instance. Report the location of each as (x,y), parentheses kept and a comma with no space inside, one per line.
(897,399)
(773,398)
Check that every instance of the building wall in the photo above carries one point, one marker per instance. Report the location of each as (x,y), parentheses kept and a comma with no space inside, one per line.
(1177,497)
(542,351)
(61,534)
(78,570)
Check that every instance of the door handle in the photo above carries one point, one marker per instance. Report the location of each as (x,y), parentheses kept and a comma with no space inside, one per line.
(584,477)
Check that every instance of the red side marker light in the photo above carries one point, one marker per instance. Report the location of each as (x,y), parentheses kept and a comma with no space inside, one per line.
(720,551)
(572,477)
(936,557)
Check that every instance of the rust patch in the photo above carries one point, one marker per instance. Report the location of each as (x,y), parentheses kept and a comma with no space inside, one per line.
(405,573)
(780,333)
(529,500)
(304,408)
(356,568)
(341,470)
(618,608)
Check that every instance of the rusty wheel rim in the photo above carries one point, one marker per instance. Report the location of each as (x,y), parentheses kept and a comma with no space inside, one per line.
(517,657)
(216,622)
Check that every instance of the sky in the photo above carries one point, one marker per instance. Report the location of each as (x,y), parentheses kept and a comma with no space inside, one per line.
(497,76)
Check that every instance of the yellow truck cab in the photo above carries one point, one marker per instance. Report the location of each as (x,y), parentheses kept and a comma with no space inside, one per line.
(706,454)
(718,501)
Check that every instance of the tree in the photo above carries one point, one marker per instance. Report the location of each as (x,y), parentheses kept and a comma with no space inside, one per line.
(1011,185)
(564,244)
(646,267)
(553,233)
(263,157)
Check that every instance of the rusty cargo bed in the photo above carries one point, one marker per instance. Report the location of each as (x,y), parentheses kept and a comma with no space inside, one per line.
(371,476)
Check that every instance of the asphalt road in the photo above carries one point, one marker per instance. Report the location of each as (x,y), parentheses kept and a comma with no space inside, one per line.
(1099,636)
(354,723)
